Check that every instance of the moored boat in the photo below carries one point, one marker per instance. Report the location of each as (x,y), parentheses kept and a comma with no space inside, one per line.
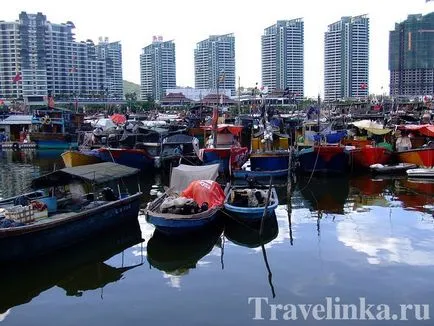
(323,159)
(423,157)
(191,203)
(132,157)
(77,158)
(73,214)
(421,173)
(392,169)
(368,155)
(248,203)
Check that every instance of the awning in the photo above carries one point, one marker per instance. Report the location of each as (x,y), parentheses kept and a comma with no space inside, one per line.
(95,173)
(426,130)
(371,126)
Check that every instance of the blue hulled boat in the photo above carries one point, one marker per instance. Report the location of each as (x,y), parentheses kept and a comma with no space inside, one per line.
(323,159)
(249,203)
(190,187)
(38,227)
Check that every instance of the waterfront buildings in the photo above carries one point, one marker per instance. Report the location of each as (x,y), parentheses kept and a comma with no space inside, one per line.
(214,63)
(41,59)
(283,57)
(157,69)
(411,56)
(346,59)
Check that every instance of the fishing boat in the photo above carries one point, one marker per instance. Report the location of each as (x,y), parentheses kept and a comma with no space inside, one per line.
(392,169)
(76,158)
(72,213)
(323,159)
(190,204)
(138,158)
(421,149)
(177,149)
(249,203)
(223,148)
(55,128)
(365,151)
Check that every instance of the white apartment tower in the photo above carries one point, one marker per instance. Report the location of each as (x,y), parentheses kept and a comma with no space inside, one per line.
(283,57)
(214,62)
(346,59)
(49,61)
(157,69)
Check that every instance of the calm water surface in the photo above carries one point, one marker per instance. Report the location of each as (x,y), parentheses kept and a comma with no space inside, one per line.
(346,238)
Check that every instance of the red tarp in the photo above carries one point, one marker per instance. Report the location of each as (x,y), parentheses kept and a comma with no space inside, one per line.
(426,130)
(205,191)
(233,129)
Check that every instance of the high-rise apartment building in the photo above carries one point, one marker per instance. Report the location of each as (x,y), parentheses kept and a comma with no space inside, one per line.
(214,62)
(157,69)
(346,59)
(411,56)
(40,58)
(283,57)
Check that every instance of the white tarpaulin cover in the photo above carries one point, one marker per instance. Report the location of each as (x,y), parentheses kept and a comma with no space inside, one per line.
(371,126)
(183,175)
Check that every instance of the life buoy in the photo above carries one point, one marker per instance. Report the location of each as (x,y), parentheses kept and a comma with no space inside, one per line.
(46,120)
(16,146)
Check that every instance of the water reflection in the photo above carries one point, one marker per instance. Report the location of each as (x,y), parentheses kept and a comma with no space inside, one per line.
(76,270)
(176,256)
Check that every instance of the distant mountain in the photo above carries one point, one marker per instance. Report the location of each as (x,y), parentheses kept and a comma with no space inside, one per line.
(130,87)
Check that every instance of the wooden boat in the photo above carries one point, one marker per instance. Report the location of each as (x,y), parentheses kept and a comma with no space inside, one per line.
(423,157)
(132,157)
(421,173)
(323,159)
(392,169)
(182,178)
(77,158)
(179,148)
(73,215)
(243,203)
(368,155)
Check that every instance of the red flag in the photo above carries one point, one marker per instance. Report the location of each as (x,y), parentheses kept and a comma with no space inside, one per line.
(51,102)
(363,86)
(17,78)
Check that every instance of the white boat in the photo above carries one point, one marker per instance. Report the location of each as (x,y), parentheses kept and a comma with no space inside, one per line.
(421,173)
(391,169)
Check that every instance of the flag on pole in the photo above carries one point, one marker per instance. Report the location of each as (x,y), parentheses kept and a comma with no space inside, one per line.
(222,77)
(363,86)
(17,78)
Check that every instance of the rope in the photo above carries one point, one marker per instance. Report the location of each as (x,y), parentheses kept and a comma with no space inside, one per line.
(313,170)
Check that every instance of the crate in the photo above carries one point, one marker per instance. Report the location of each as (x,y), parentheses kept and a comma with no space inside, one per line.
(40,214)
(22,214)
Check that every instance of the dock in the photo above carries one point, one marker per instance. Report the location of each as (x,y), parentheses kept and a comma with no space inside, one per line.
(18,145)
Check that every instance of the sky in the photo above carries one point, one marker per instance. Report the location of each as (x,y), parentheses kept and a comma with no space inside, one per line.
(187,22)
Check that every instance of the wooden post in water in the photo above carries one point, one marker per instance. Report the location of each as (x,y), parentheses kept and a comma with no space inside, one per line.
(289,195)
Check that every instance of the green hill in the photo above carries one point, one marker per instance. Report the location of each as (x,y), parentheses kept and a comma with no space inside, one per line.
(130,87)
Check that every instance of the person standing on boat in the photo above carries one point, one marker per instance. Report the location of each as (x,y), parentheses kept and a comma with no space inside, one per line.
(403,142)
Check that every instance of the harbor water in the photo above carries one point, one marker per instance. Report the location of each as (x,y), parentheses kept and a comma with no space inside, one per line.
(334,241)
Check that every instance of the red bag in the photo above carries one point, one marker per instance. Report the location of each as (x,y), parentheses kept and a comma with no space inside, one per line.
(205,191)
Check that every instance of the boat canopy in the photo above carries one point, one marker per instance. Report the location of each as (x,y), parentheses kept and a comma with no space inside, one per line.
(95,173)
(178,139)
(276,133)
(426,130)
(372,127)
(183,175)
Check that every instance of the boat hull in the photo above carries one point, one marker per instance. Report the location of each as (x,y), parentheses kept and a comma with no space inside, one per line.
(252,213)
(76,158)
(323,159)
(39,239)
(135,158)
(366,156)
(269,161)
(423,157)
(184,224)
(243,174)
